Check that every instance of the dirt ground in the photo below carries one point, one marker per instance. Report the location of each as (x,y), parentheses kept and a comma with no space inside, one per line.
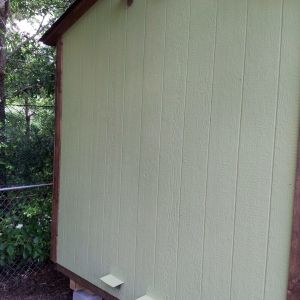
(46,284)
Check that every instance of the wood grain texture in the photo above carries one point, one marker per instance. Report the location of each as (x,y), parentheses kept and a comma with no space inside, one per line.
(285,162)
(57,150)
(115,132)
(195,149)
(289,63)
(225,118)
(294,270)
(178,156)
(79,201)
(171,145)
(85,200)
(70,115)
(256,149)
(154,61)
(100,70)
(131,146)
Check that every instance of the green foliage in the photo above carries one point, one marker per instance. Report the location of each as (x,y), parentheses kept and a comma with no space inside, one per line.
(28,8)
(29,157)
(29,128)
(25,230)
(29,89)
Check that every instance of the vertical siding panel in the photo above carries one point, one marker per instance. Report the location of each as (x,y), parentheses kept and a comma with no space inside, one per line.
(131,146)
(74,204)
(171,146)
(85,144)
(99,70)
(150,145)
(69,125)
(159,144)
(223,150)
(285,155)
(114,132)
(256,148)
(195,152)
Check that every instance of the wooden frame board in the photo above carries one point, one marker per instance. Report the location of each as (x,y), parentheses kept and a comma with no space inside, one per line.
(294,270)
(72,14)
(57,149)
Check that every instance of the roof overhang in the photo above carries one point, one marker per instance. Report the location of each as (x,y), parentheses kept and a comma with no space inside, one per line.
(71,15)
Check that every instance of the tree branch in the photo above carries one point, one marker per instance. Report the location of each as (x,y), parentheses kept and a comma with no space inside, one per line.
(28,38)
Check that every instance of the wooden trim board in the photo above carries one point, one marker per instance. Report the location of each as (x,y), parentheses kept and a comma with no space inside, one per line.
(57,150)
(72,14)
(294,271)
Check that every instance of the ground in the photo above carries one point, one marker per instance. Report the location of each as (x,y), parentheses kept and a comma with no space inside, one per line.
(46,284)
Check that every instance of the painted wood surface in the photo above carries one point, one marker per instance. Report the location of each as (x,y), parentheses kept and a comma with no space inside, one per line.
(179,137)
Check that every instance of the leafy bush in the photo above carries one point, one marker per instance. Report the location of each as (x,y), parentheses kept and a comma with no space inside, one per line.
(29,156)
(26,129)
(25,230)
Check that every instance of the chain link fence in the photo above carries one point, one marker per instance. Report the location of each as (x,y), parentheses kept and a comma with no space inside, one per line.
(26,158)
(27,150)
(25,217)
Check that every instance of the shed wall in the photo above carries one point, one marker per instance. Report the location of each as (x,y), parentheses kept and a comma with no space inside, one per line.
(179,138)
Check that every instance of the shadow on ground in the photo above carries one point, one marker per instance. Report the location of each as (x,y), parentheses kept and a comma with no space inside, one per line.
(45,284)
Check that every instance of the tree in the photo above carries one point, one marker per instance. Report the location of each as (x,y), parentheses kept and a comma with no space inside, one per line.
(26,128)
(4,11)
(26,86)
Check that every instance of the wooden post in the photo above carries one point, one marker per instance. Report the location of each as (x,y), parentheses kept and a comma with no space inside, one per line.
(57,146)
(294,271)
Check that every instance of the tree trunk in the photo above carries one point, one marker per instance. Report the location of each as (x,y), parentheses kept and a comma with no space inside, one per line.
(4,12)
(27,118)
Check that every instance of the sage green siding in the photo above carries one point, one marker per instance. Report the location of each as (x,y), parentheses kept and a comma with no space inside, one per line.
(179,138)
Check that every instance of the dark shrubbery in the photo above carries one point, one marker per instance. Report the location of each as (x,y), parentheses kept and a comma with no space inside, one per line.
(26,129)
(25,228)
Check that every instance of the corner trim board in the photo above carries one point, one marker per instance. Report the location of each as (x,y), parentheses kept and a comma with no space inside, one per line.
(57,149)
(84,283)
(293,292)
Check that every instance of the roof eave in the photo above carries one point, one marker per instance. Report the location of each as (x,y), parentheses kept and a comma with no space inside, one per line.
(71,15)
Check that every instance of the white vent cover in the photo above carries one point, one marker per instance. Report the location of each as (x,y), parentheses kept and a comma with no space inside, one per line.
(145,298)
(112,281)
